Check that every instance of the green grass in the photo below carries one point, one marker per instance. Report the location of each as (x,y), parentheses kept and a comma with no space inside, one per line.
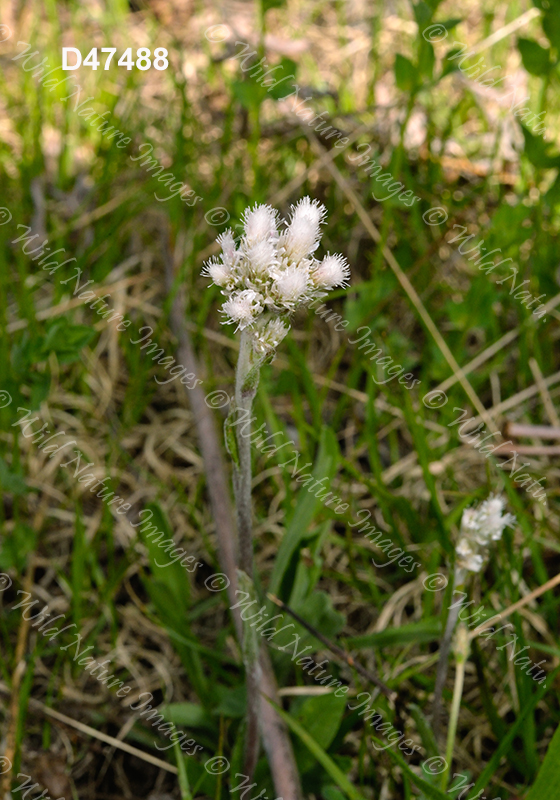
(215,129)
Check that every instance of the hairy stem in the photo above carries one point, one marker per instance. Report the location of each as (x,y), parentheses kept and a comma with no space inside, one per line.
(441,673)
(461,655)
(253,672)
(244,396)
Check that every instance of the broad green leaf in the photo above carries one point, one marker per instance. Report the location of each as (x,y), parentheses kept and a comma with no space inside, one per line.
(189,715)
(318,611)
(331,793)
(553,194)
(266,4)
(405,73)
(155,532)
(11,481)
(326,761)
(65,340)
(249,94)
(537,150)
(231,702)
(422,14)
(281,81)
(551,26)
(16,546)
(321,717)
(40,384)
(308,575)
(426,59)
(536,59)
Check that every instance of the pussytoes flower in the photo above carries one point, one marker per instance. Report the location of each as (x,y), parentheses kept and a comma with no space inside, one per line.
(467,558)
(331,271)
(218,272)
(292,286)
(273,271)
(226,241)
(261,222)
(479,527)
(304,233)
(243,307)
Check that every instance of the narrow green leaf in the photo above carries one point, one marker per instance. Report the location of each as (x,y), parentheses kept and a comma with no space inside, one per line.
(182,772)
(423,450)
(505,743)
(547,783)
(306,507)
(231,438)
(427,630)
(169,591)
(427,788)
(79,576)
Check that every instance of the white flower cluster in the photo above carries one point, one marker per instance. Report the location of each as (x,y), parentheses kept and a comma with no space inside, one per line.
(479,527)
(273,271)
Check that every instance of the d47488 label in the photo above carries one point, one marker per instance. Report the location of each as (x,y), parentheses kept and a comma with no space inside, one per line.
(142,61)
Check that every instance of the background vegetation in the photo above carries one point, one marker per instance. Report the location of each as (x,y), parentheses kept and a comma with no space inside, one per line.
(456,146)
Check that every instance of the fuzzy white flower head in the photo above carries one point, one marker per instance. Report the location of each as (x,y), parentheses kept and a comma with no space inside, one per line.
(486,523)
(260,223)
(243,308)
(219,273)
(479,527)
(466,557)
(261,257)
(227,243)
(303,234)
(491,517)
(271,274)
(292,285)
(331,271)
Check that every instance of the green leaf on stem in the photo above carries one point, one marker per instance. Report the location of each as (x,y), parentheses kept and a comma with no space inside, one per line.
(231,439)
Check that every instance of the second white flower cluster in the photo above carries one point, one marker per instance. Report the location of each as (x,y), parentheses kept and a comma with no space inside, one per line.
(479,527)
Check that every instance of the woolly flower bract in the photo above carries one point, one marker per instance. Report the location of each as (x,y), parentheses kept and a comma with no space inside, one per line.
(271,273)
